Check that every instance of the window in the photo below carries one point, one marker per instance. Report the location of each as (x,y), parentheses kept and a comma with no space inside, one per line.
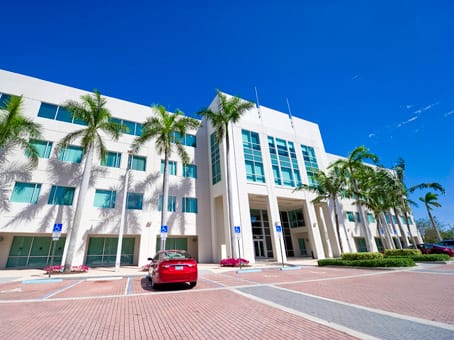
(190,170)
(215,160)
(102,251)
(172,167)
(284,162)
(310,161)
(387,218)
(59,113)
(370,218)
(61,195)
(360,244)
(253,156)
(171,204)
(26,192)
(395,219)
(358,217)
(137,162)
(189,205)
(134,201)
(112,159)
(43,147)
(105,198)
(132,128)
(350,216)
(71,154)
(47,111)
(4,99)
(296,218)
(187,139)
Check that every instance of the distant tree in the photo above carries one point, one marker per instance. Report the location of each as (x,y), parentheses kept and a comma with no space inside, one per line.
(399,168)
(428,233)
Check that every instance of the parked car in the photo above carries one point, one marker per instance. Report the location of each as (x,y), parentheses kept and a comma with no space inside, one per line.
(427,248)
(446,243)
(172,266)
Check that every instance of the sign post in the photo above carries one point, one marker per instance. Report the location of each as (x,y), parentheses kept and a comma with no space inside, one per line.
(279,234)
(164,231)
(56,233)
(237,232)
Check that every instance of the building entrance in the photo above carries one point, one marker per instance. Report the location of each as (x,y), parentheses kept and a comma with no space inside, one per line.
(259,248)
(261,234)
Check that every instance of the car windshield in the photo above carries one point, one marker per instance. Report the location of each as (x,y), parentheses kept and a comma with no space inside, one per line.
(171,254)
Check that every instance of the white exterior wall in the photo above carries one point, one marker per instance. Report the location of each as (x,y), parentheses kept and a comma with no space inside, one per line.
(209,235)
(38,219)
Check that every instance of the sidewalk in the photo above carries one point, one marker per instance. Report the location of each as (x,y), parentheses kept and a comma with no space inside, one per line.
(10,275)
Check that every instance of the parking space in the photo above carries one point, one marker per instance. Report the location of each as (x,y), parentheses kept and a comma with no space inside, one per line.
(222,305)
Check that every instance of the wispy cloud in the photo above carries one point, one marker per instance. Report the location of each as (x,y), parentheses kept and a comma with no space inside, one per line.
(425,108)
(448,113)
(355,77)
(371,135)
(407,121)
(408,107)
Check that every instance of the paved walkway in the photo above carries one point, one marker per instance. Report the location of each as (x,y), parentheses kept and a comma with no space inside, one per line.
(260,302)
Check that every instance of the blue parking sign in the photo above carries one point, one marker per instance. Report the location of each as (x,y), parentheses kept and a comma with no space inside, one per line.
(164,229)
(278,229)
(57,227)
(237,229)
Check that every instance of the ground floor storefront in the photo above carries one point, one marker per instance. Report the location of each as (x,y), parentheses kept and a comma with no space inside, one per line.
(39,251)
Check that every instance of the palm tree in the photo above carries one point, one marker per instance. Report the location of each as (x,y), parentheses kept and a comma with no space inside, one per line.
(374,187)
(229,111)
(399,168)
(329,187)
(351,169)
(430,200)
(16,129)
(91,111)
(164,128)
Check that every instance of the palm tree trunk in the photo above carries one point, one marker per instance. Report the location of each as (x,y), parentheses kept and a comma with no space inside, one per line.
(434,225)
(337,227)
(74,231)
(408,227)
(229,192)
(383,240)
(165,195)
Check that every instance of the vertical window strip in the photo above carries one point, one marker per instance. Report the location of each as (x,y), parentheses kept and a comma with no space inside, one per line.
(215,160)
(284,162)
(310,162)
(253,156)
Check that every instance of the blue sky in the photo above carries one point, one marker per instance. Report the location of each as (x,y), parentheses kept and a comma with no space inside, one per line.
(373,73)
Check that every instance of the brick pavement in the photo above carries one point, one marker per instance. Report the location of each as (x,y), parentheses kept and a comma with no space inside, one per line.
(128,308)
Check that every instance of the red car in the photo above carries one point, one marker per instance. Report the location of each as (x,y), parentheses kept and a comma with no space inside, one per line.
(172,266)
(435,249)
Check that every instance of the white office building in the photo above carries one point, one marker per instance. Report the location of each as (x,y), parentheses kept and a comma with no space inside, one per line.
(271,153)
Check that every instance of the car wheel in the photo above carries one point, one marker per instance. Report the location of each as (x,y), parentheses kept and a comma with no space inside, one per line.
(153,284)
(192,284)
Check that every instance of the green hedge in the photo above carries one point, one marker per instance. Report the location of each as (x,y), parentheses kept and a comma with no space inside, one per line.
(431,257)
(388,262)
(402,252)
(361,256)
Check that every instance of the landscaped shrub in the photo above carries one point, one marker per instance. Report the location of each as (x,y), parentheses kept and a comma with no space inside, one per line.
(388,262)
(402,252)
(431,257)
(233,262)
(361,256)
